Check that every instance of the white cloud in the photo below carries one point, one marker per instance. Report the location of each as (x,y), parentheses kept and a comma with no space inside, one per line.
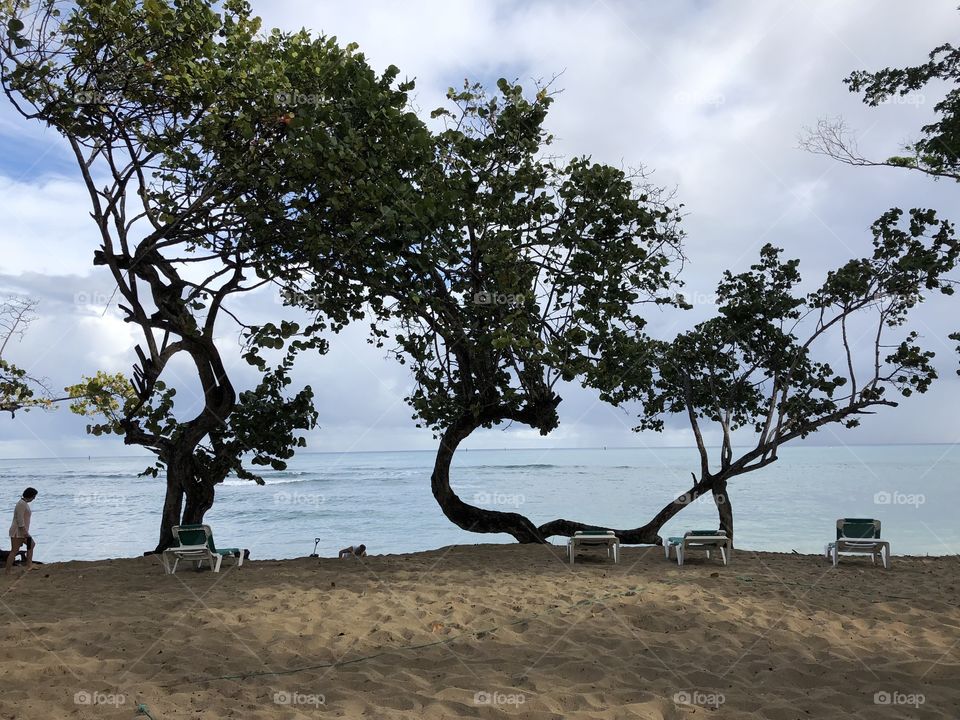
(47,227)
(710,96)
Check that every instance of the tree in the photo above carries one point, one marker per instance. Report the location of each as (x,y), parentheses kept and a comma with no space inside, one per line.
(18,389)
(936,152)
(183,121)
(512,264)
(762,364)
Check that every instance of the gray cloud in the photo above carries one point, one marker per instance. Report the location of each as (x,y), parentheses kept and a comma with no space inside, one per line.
(711,97)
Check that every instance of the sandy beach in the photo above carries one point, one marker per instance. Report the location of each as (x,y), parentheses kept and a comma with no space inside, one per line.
(484,631)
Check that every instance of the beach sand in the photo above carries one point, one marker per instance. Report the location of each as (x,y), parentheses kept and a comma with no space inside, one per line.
(484,631)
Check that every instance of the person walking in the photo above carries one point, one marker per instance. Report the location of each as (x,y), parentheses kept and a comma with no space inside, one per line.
(20,530)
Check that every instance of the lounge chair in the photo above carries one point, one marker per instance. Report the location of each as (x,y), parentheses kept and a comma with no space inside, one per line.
(858,536)
(582,538)
(196,543)
(702,539)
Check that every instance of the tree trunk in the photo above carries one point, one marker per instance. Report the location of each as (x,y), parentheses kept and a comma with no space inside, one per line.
(469,517)
(172,506)
(724,509)
(183,483)
(200,495)
(646,535)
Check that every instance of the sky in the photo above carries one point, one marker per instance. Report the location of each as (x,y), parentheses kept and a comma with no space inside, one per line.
(710,97)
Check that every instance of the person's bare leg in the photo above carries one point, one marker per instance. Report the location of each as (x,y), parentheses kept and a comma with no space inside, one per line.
(31,544)
(14,547)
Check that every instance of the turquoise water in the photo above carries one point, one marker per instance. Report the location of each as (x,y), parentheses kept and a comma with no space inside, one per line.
(97,508)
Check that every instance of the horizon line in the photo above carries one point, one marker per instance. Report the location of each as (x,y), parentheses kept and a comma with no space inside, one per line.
(499,449)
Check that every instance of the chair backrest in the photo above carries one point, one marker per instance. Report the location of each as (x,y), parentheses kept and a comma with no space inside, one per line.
(858,528)
(708,533)
(194,535)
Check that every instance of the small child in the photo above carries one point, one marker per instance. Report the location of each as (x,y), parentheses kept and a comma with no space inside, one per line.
(353,551)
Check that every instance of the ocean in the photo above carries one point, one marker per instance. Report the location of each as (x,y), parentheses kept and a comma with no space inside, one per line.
(98,508)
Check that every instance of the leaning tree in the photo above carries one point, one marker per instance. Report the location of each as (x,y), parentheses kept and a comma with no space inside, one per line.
(182,120)
(781,364)
(514,266)
(527,270)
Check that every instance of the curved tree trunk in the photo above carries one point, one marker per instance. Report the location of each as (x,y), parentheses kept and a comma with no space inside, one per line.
(183,478)
(200,497)
(466,516)
(648,534)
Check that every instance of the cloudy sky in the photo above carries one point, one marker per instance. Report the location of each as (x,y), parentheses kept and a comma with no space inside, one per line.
(710,96)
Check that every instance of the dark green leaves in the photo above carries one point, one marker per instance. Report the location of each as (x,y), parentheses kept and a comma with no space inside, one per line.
(937,150)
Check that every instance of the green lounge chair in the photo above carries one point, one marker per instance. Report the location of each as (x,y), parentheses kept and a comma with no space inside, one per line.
(196,543)
(703,539)
(858,536)
(582,538)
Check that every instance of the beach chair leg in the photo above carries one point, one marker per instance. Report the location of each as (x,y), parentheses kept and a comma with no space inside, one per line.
(176,561)
(216,567)
(240,558)
(666,550)
(571,551)
(708,554)
(723,554)
(835,556)
(885,556)
(679,554)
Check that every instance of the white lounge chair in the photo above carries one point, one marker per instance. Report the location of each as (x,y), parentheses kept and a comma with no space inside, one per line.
(858,536)
(590,538)
(701,539)
(196,544)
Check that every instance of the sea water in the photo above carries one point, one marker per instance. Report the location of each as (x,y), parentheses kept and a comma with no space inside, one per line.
(100,508)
